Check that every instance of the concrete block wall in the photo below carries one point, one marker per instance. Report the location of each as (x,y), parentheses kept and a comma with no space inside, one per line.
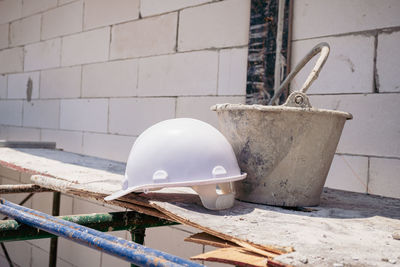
(100,72)
(91,75)
(361,76)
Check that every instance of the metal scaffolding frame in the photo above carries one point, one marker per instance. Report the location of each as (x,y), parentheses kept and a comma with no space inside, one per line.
(83,229)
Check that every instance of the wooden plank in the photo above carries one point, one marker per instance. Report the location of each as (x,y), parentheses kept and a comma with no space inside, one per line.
(345,226)
(102,176)
(188,210)
(236,256)
(146,203)
(22,188)
(77,190)
(209,240)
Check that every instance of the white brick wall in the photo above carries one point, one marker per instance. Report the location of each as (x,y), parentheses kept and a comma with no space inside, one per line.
(20,252)
(84,114)
(131,116)
(14,59)
(348,173)
(41,202)
(34,6)
(43,244)
(41,258)
(153,7)
(106,70)
(9,174)
(116,78)
(3,260)
(42,55)
(41,114)
(61,83)
(226,24)
(81,206)
(150,36)
(13,110)
(108,260)
(349,68)
(104,12)
(384,177)
(4,28)
(3,86)
(376,121)
(86,47)
(62,20)
(192,73)
(232,71)
(388,62)
(115,147)
(10,10)
(199,107)
(361,77)
(159,238)
(63,2)
(25,31)
(313,18)
(67,140)
(77,255)
(18,85)
(20,133)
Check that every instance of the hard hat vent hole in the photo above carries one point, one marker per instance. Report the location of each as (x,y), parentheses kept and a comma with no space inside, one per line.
(160,176)
(218,171)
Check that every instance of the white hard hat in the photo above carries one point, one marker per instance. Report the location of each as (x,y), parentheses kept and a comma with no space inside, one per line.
(183,152)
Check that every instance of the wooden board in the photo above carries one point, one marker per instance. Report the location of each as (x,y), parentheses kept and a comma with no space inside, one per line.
(209,240)
(231,252)
(237,256)
(348,228)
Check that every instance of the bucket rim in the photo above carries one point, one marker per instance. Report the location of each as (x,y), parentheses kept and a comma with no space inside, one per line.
(228,106)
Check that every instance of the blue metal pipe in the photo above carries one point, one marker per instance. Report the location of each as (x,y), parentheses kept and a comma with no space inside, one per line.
(127,250)
(102,235)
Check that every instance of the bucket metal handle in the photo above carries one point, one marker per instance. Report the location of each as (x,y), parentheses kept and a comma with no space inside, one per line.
(322,48)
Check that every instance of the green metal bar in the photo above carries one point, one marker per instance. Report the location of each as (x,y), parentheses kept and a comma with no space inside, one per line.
(11,230)
(54,240)
(138,237)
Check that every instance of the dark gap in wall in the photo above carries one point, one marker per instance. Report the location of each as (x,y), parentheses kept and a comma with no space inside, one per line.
(262,46)
(376,76)
(29,89)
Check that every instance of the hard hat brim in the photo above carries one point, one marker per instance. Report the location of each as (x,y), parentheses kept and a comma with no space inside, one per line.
(146,187)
